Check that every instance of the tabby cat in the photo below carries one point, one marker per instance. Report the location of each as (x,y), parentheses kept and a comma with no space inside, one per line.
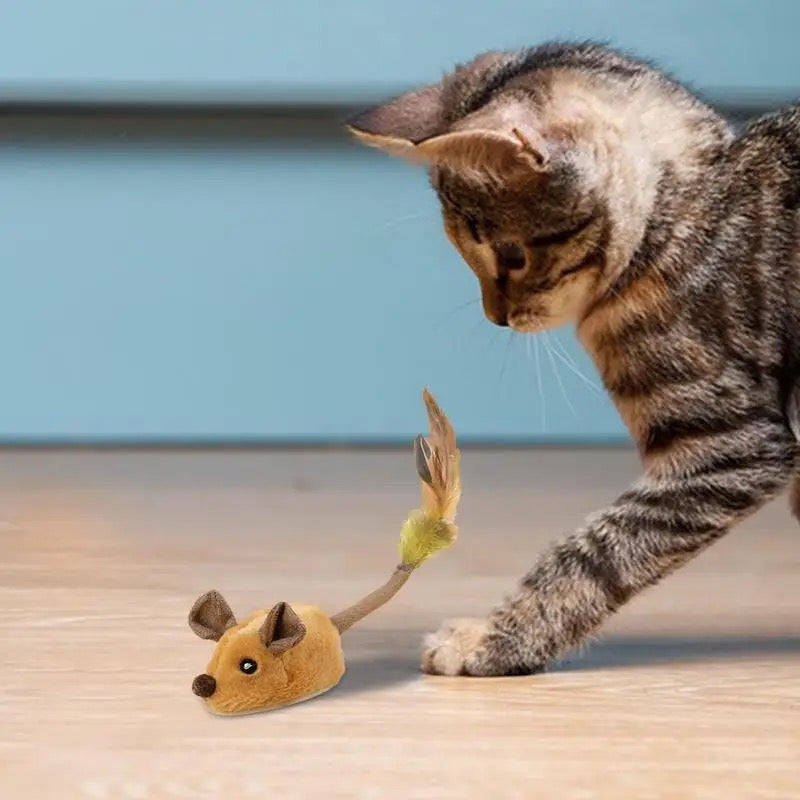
(584,186)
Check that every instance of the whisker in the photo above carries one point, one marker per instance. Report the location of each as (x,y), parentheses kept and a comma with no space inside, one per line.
(549,350)
(539,382)
(477,324)
(391,223)
(505,355)
(577,372)
(449,314)
(559,346)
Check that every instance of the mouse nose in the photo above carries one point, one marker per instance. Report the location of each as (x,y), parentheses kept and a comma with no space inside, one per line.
(204,685)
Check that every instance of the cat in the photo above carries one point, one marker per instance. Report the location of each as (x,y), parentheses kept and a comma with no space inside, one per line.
(585,186)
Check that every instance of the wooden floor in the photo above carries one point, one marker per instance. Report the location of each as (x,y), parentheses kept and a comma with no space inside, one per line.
(693,691)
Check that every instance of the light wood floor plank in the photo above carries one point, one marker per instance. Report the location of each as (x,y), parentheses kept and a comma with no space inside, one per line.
(693,691)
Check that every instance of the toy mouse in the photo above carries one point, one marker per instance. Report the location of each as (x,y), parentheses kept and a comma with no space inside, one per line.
(289,653)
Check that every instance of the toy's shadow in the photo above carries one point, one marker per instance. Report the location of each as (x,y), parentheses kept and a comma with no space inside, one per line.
(377,673)
(380,660)
(617,652)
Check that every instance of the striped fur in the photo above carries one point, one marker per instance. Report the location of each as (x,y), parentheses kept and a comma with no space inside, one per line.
(684,287)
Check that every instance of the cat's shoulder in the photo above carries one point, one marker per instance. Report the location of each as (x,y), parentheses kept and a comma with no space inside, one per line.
(780,128)
(768,152)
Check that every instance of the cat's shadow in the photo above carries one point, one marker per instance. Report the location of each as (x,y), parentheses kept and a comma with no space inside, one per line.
(617,652)
(395,656)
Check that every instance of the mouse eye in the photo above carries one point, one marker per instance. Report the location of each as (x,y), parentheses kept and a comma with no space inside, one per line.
(248,666)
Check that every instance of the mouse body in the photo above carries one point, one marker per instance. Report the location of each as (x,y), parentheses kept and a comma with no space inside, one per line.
(275,657)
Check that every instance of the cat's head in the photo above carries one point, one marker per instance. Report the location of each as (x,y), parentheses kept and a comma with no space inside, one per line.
(543,191)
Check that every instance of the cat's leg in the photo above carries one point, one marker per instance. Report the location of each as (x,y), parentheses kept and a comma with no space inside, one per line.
(656,526)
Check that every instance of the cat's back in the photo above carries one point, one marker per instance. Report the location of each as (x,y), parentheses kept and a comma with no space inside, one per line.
(764,203)
(768,153)
(761,205)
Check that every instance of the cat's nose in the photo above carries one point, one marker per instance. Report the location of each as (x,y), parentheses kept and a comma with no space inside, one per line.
(495,311)
(204,685)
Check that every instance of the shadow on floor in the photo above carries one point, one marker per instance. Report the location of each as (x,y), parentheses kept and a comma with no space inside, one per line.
(640,650)
(395,659)
(367,674)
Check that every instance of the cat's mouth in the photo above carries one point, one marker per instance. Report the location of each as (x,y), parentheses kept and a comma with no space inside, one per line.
(526,322)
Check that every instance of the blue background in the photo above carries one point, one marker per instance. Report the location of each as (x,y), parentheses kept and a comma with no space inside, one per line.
(287,289)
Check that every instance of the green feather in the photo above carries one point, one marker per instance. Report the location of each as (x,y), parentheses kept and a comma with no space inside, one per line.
(422,536)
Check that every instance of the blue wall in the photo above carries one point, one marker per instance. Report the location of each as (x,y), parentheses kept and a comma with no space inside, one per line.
(229,289)
(310,49)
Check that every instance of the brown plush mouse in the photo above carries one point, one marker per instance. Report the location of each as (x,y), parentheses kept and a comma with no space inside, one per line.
(288,653)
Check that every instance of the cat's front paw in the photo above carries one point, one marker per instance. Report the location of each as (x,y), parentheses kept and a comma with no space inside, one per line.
(459,647)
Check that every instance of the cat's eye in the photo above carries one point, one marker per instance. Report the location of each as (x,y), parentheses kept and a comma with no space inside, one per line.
(472,227)
(248,666)
(510,256)
(561,237)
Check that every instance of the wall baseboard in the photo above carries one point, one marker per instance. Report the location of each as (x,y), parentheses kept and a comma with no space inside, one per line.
(293,123)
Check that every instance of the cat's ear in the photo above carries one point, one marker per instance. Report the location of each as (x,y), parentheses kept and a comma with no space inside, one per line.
(487,149)
(401,124)
(505,136)
(502,137)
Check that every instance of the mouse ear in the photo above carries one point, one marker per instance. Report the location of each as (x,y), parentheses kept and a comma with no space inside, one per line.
(211,616)
(282,629)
